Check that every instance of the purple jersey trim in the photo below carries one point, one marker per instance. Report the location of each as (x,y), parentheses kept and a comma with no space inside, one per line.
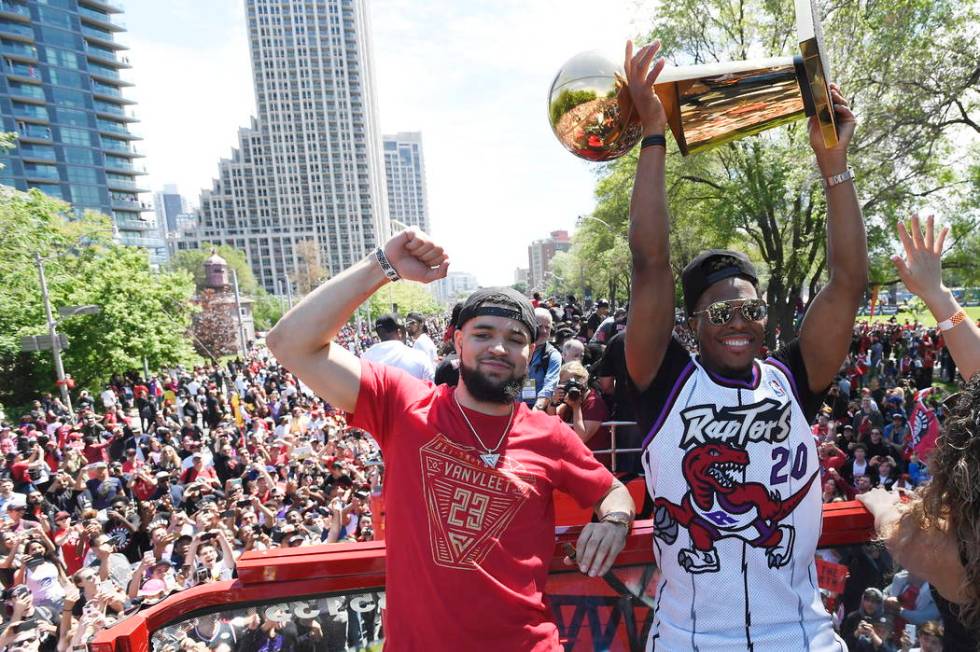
(671,398)
(730,507)
(735,382)
(789,374)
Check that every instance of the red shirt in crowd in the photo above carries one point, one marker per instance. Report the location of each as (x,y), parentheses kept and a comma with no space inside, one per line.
(459,532)
(96,452)
(190,474)
(71,552)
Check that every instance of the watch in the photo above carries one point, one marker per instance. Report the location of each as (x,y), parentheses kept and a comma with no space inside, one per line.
(618,518)
(837,179)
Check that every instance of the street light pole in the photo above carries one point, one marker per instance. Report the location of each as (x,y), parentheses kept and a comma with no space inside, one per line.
(238,310)
(53,332)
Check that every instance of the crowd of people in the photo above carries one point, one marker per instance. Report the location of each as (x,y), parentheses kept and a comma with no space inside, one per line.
(158,484)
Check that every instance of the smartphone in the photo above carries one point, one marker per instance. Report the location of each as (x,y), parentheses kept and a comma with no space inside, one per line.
(910,631)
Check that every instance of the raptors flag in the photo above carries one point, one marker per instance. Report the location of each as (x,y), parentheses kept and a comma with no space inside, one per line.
(923,424)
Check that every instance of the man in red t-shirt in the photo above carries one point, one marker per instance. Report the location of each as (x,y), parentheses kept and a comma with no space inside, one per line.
(470,471)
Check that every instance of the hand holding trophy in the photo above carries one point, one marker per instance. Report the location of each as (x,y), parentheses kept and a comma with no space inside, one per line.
(640,78)
(594,111)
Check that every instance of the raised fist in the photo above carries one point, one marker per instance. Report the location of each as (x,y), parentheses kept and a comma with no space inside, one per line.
(416,257)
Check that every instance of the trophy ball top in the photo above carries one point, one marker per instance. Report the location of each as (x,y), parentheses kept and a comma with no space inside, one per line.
(590,109)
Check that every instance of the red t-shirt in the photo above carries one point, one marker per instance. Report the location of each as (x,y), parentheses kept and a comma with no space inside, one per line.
(73,557)
(143,489)
(459,532)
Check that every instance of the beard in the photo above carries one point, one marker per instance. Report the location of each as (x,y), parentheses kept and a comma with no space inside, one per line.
(483,388)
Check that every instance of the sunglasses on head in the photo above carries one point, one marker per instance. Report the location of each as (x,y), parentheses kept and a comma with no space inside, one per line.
(722,312)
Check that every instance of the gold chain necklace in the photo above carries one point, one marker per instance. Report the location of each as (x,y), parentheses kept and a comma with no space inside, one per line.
(490,456)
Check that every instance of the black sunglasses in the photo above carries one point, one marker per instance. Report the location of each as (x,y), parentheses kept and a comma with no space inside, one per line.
(722,312)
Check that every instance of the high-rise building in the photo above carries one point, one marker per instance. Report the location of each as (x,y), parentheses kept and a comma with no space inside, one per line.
(309,167)
(539,255)
(522,275)
(168,204)
(405,175)
(454,287)
(62,94)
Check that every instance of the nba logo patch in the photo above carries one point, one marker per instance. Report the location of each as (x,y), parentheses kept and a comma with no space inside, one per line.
(777,387)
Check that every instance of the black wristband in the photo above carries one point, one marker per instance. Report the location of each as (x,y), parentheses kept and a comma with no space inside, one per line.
(655,139)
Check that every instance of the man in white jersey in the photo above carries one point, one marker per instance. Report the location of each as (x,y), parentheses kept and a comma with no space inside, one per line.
(729,457)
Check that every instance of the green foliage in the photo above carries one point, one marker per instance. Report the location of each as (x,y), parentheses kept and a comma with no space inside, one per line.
(409,296)
(142,313)
(192,262)
(910,72)
(568,100)
(520,286)
(266,310)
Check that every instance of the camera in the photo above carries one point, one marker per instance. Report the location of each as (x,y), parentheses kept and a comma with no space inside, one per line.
(573,389)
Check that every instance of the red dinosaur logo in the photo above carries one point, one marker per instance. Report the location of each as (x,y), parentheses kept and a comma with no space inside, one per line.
(720,504)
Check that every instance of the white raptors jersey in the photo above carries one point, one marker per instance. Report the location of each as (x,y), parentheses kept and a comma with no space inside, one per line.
(733,469)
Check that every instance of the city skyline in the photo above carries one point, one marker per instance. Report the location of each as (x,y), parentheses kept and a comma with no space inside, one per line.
(305,185)
(440,70)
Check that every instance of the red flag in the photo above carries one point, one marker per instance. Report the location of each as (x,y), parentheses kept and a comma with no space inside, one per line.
(924,425)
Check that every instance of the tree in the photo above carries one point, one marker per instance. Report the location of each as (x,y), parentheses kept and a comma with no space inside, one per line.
(214,329)
(309,273)
(409,296)
(143,314)
(192,262)
(266,311)
(911,71)
(267,308)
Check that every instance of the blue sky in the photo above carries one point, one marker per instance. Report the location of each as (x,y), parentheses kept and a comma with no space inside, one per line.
(471,76)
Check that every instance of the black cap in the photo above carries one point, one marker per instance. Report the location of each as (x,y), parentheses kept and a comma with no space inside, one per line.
(601,303)
(500,302)
(387,323)
(415,316)
(711,266)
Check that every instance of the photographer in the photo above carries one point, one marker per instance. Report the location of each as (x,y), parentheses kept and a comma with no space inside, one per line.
(203,559)
(582,408)
(869,611)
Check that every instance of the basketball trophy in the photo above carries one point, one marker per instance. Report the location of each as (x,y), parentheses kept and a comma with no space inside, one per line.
(592,114)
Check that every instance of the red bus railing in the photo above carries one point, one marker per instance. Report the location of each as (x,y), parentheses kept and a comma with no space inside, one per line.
(586,609)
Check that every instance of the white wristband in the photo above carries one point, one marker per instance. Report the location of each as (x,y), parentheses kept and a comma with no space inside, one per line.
(386,266)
